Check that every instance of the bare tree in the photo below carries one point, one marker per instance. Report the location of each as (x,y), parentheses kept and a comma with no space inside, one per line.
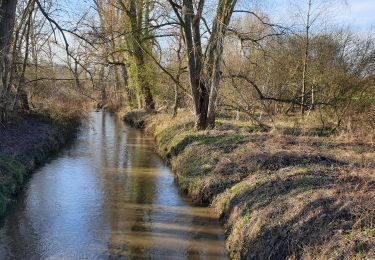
(204,67)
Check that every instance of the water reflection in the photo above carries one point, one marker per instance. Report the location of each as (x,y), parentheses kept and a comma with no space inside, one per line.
(108,196)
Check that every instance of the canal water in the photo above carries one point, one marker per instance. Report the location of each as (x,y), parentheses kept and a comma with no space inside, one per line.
(108,196)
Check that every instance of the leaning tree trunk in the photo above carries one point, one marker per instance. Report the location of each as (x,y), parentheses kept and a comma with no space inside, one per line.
(223,16)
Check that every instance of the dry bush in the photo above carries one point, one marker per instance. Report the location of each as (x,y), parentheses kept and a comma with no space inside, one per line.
(64,103)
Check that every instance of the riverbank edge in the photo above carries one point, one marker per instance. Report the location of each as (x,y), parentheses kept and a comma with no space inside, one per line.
(17,168)
(291,185)
(141,119)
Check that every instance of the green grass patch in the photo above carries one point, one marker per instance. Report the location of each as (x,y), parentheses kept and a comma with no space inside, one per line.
(12,176)
(12,167)
(369,232)
(2,204)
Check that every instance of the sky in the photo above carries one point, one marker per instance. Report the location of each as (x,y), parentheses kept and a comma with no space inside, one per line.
(358,15)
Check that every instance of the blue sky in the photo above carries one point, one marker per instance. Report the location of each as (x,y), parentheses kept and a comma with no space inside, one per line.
(359,15)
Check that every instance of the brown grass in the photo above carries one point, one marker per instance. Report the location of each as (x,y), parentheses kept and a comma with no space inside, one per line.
(279,196)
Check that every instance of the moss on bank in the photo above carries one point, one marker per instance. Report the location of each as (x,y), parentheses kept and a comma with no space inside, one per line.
(279,196)
(26,144)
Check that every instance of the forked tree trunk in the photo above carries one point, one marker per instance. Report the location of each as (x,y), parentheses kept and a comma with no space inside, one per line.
(204,75)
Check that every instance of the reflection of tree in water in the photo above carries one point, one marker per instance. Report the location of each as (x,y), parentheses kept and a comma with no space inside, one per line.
(104,142)
(119,145)
(137,188)
(141,214)
(18,233)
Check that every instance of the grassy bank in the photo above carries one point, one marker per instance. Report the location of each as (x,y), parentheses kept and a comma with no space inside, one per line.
(279,195)
(25,143)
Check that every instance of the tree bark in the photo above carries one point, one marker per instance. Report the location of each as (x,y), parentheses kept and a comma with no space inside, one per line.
(204,74)
(305,59)
(136,20)
(224,13)
(194,54)
(7,14)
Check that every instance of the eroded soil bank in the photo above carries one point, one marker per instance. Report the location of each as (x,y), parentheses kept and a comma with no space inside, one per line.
(279,196)
(26,143)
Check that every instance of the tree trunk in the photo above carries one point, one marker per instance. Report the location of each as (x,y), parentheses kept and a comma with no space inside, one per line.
(129,94)
(223,15)
(21,91)
(175,104)
(148,98)
(7,14)
(136,20)
(102,87)
(194,54)
(178,77)
(305,59)
(215,81)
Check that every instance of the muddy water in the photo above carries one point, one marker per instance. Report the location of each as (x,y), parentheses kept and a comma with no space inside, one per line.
(108,196)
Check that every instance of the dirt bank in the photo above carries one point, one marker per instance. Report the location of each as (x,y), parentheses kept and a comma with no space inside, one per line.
(279,196)
(26,143)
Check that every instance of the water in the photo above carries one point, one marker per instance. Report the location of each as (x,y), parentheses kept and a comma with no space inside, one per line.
(108,196)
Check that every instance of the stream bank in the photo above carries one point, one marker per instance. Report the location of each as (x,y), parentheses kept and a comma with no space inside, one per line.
(26,143)
(278,195)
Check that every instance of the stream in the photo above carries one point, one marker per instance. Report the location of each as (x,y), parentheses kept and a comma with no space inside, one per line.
(108,195)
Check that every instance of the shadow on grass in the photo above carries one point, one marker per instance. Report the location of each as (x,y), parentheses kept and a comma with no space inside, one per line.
(280,234)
